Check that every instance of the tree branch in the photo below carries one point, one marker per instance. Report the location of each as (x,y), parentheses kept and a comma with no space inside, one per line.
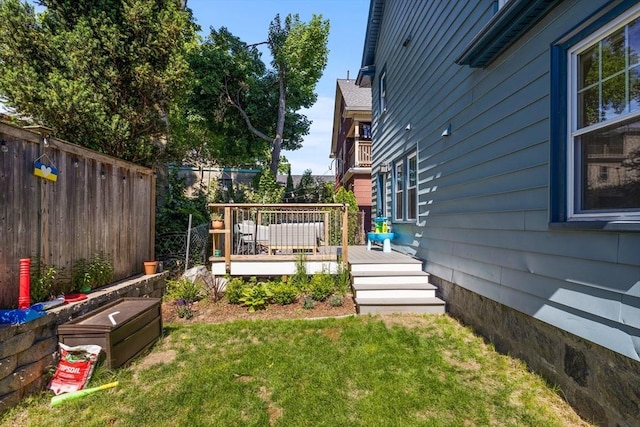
(246,117)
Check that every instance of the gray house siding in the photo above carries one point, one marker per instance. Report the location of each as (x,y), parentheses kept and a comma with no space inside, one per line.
(484,191)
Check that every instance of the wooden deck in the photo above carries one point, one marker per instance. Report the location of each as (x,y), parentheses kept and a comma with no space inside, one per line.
(325,259)
(360,255)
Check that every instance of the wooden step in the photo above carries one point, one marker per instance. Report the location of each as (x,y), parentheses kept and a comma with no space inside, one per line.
(393,279)
(394,267)
(381,285)
(400,305)
(393,294)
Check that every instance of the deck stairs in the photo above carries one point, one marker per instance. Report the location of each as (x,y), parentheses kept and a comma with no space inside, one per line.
(391,283)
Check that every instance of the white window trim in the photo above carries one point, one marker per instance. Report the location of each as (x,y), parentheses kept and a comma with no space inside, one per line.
(409,157)
(404,163)
(396,164)
(572,124)
(383,92)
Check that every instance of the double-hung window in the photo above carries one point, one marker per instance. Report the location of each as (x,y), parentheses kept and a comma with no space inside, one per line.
(412,187)
(602,137)
(406,188)
(399,190)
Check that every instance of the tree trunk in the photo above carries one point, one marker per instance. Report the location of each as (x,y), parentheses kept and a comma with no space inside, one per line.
(277,141)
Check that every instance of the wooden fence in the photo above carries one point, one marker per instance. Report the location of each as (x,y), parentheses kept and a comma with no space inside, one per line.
(98,204)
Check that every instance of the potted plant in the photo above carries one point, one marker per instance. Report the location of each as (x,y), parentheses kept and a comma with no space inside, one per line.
(217,222)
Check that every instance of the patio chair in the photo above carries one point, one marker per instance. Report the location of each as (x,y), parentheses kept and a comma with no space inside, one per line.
(246,240)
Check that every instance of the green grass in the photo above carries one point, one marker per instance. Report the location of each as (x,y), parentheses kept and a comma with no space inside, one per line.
(356,371)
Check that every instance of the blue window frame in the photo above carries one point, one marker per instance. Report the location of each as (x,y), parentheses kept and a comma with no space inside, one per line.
(595,119)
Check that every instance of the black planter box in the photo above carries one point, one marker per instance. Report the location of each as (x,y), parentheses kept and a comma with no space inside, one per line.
(123,328)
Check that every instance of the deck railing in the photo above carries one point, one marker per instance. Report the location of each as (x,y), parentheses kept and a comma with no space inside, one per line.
(261,230)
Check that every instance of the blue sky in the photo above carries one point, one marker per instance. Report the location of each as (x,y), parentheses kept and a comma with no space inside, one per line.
(249,20)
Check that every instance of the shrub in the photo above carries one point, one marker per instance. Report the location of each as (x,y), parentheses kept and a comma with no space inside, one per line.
(90,274)
(234,289)
(321,286)
(184,289)
(336,300)
(308,303)
(342,280)
(283,293)
(300,278)
(184,308)
(43,279)
(256,297)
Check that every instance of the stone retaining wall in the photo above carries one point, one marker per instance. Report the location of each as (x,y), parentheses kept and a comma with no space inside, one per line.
(601,385)
(28,352)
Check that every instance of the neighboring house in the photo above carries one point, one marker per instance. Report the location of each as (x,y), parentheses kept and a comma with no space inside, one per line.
(351,143)
(506,141)
(198,178)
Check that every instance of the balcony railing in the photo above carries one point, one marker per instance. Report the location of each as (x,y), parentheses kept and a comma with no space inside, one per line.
(253,231)
(360,155)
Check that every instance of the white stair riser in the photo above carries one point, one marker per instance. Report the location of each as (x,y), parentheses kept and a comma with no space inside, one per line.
(386,267)
(418,309)
(391,294)
(391,280)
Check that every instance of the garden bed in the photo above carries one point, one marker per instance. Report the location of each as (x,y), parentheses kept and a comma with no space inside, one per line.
(206,311)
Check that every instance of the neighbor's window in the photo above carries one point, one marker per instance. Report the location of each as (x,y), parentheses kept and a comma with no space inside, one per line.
(406,188)
(604,133)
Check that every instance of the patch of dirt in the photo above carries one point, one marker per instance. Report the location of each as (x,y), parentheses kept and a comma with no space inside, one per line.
(221,311)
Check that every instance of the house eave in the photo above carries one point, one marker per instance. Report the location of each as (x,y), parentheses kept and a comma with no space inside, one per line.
(354,171)
(503,29)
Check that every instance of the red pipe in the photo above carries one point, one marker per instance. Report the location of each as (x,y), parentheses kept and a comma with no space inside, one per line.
(24,299)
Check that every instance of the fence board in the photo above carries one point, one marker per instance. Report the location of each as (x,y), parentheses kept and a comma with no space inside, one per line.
(79,215)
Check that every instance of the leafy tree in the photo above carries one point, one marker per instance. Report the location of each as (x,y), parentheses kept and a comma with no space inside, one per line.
(346,197)
(203,126)
(234,89)
(289,188)
(306,189)
(173,216)
(267,189)
(101,73)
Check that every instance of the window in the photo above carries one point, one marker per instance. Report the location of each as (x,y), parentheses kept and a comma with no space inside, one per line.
(604,133)
(595,119)
(399,187)
(383,92)
(412,187)
(381,204)
(405,182)
(366,131)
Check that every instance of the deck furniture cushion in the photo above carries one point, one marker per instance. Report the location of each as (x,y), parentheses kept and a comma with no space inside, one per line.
(295,236)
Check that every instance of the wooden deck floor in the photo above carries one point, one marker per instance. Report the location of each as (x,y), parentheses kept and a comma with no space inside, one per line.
(360,255)
(279,264)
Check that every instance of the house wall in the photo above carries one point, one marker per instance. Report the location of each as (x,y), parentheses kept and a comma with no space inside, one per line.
(362,191)
(484,190)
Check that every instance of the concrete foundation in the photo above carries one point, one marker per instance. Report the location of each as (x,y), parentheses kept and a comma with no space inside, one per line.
(600,384)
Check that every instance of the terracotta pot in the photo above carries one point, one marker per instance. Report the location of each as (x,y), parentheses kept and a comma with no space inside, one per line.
(150,267)
(217,224)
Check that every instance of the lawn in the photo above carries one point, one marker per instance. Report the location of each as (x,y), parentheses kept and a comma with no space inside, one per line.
(356,371)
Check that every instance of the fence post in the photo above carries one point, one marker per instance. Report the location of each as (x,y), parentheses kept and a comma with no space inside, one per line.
(345,235)
(186,255)
(228,224)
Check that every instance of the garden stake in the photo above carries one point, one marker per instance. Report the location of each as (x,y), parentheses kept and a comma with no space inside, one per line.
(56,400)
